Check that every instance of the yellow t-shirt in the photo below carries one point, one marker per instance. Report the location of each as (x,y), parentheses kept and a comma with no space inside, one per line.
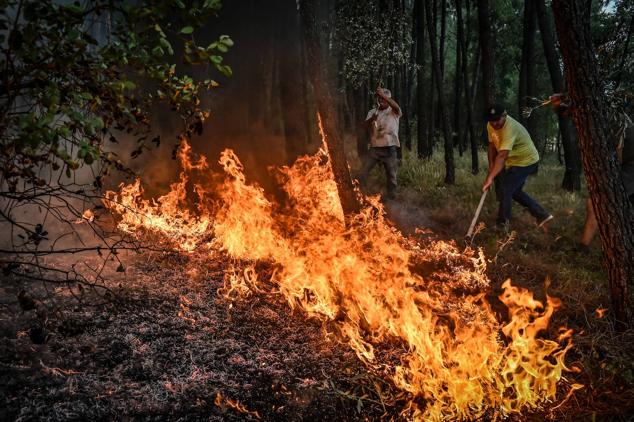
(514,137)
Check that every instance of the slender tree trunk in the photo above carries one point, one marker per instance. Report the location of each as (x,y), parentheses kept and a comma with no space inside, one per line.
(326,109)
(443,37)
(572,159)
(465,82)
(486,48)
(527,69)
(421,95)
(450,177)
(291,81)
(457,98)
(595,129)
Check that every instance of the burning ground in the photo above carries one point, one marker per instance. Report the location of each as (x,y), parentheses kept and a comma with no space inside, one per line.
(283,311)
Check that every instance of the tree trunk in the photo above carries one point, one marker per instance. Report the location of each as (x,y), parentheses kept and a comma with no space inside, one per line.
(325,101)
(421,95)
(457,98)
(527,69)
(291,82)
(443,37)
(450,177)
(486,48)
(593,121)
(465,81)
(572,159)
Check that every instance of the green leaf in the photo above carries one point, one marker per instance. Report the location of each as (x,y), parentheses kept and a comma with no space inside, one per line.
(224,39)
(187,30)
(158,51)
(215,59)
(222,48)
(166,45)
(225,70)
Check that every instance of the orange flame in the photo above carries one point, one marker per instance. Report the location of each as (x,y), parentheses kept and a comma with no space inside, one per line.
(366,279)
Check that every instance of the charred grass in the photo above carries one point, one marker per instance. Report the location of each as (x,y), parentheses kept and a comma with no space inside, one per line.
(169,347)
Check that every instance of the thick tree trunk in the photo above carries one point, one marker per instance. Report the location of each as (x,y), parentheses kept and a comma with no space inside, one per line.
(527,69)
(292,91)
(465,81)
(598,150)
(326,109)
(450,176)
(572,159)
(421,95)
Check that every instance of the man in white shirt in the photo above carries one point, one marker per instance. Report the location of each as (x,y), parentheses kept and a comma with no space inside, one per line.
(383,123)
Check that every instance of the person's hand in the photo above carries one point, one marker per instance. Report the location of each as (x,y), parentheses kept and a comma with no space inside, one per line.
(379,92)
(487,184)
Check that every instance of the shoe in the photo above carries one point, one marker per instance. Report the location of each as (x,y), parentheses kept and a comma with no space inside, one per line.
(542,222)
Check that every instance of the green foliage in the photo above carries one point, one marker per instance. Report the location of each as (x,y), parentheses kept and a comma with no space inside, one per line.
(76,75)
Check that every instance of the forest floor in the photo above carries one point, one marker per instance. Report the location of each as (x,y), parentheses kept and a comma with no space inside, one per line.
(171,346)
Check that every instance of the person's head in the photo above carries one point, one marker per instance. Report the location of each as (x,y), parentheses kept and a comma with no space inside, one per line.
(496,116)
(382,102)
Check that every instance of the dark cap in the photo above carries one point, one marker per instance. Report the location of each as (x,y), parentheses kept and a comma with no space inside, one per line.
(494,112)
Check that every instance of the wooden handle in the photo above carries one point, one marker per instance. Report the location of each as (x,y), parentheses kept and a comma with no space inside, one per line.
(477,213)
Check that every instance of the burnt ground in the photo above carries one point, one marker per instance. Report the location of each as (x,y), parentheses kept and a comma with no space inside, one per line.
(170,347)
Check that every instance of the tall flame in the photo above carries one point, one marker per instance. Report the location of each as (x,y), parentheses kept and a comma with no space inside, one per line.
(377,287)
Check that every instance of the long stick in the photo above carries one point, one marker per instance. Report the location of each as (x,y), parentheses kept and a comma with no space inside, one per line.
(477,213)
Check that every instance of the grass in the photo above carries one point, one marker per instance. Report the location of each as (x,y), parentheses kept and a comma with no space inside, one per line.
(530,257)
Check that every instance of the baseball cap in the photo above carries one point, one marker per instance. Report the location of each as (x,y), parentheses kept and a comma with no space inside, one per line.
(494,112)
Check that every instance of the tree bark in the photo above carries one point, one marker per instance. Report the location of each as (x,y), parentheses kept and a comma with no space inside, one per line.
(598,150)
(465,81)
(421,116)
(326,109)
(457,98)
(486,48)
(527,69)
(450,176)
(572,159)
(292,92)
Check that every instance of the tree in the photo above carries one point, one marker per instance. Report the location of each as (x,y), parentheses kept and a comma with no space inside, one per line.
(572,160)
(76,79)
(527,69)
(450,176)
(465,81)
(292,81)
(326,109)
(596,126)
(423,145)
(486,48)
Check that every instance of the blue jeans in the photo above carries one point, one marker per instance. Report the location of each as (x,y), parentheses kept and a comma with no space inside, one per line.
(387,157)
(508,187)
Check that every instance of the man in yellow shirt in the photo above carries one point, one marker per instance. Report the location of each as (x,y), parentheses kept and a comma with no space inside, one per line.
(512,158)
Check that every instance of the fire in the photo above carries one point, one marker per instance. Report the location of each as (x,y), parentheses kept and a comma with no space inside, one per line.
(378,288)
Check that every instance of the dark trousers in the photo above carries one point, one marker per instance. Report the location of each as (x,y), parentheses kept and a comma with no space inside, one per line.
(385,156)
(508,187)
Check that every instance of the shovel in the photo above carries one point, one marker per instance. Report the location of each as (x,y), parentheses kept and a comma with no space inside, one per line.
(477,214)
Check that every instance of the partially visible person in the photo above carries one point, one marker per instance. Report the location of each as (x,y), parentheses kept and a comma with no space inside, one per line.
(512,158)
(382,122)
(625,154)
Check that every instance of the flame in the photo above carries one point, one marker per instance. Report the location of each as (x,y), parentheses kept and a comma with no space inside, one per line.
(378,288)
